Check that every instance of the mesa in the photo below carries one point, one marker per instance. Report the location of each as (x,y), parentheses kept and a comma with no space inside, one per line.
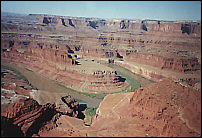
(79,76)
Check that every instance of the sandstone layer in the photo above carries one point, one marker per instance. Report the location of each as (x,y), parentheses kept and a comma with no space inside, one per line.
(27,117)
(161,109)
(74,53)
(146,25)
(56,64)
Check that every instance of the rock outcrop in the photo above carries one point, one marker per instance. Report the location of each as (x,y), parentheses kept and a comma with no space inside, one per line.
(144,25)
(176,64)
(180,64)
(27,117)
(71,50)
(51,54)
(160,109)
(53,58)
(70,107)
(30,116)
(177,106)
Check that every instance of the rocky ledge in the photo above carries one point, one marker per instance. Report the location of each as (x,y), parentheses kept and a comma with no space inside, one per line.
(27,117)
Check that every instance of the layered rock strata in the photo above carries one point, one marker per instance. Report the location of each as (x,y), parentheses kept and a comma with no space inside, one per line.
(190,64)
(13,88)
(56,63)
(170,111)
(159,109)
(30,116)
(70,107)
(144,25)
(27,117)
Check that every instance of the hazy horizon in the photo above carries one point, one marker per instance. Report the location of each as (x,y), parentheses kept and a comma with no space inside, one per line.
(151,10)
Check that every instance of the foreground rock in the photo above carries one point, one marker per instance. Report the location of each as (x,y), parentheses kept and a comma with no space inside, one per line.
(70,107)
(165,108)
(27,117)
(171,109)
(160,109)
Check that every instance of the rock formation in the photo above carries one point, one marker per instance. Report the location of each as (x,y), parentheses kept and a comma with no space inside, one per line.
(70,107)
(54,58)
(73,52)
(27,117)
(176,64)
(159,109)
(30,116)
(144,25)
(169,111)
(24,116)
(8,127)
(51,54)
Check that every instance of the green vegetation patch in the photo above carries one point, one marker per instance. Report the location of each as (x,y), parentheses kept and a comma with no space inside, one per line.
(19,75)
(133,83)
(80,101)
(91,111)
(89,114)
(15,72)
(131,72)
(92,95)
(169,49)
(29,70)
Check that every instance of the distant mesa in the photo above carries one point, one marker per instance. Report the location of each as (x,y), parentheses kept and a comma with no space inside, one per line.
(188,27)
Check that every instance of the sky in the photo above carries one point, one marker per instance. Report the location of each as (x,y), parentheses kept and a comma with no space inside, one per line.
(156,10)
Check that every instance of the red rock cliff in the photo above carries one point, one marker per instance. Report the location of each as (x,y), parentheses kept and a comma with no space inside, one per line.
(166,105)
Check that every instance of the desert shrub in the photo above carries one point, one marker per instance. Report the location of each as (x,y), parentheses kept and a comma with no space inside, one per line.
(91,111)
(89,114)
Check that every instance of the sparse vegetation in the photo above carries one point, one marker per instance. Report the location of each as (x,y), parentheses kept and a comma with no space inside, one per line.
(131,72)
(169,49)
(92,95)
(80,101)
(133,83)
(90,111)
(89,114)
(15,71)
(29,70)
(19,75)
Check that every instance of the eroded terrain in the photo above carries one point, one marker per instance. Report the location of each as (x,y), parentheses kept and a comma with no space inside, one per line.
(100,72)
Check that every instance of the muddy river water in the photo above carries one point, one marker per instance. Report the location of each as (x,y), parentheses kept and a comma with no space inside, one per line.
(48,85)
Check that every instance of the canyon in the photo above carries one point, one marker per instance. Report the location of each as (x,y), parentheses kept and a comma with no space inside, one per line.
(137,77)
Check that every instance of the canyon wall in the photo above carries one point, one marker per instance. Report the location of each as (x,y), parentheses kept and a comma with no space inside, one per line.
(176,64)
(164,109)
(190,64)
(184,102)
(143,25)
(166,45)
(39,50)
(55,63)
